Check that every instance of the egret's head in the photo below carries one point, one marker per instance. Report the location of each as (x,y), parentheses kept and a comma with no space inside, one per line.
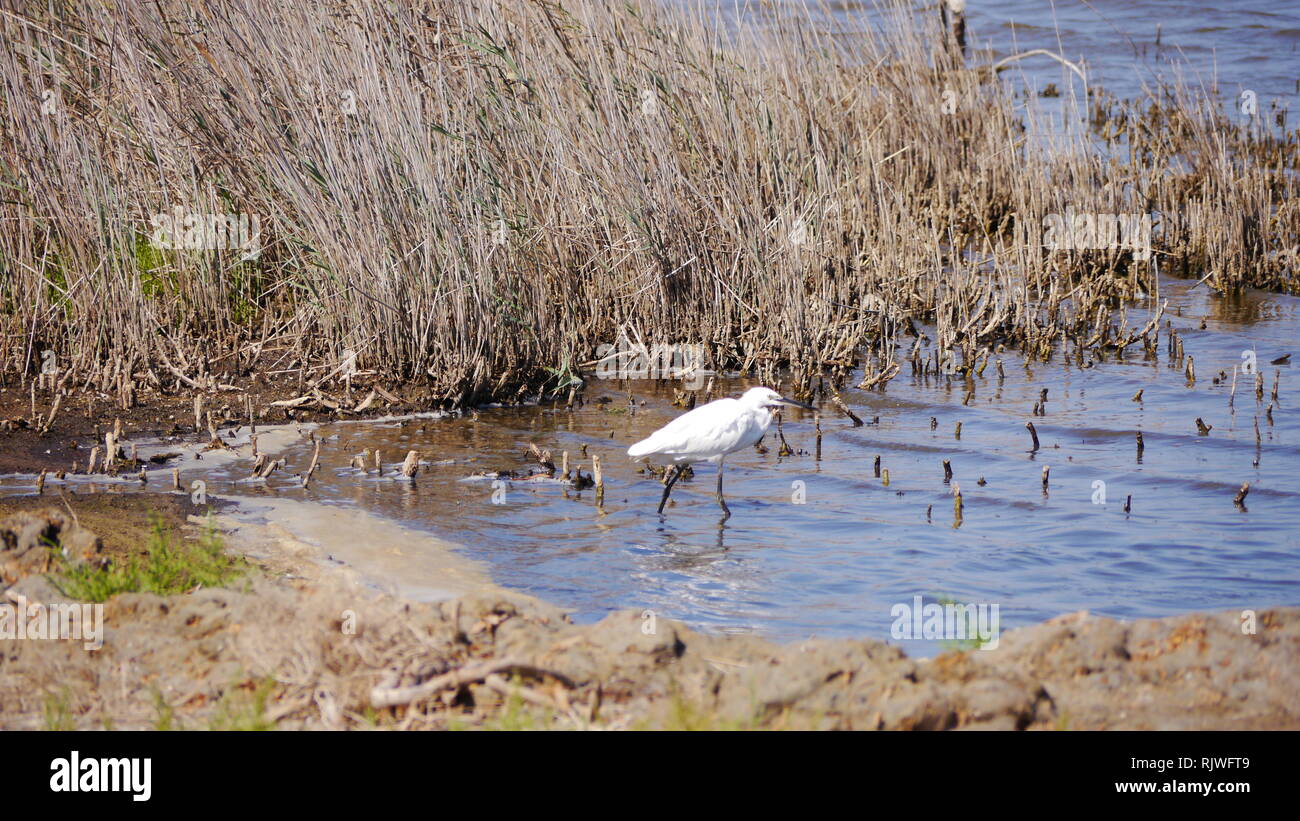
(768,398)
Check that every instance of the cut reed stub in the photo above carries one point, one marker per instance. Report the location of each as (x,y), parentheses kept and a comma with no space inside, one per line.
(784,449)
(214,441)
(1240,498)
(844,409)
(947,471)
(1203,429)
(1033,433)
(411,465)
(1047,473)
(1141,445)
(1128,504)
(876,466)
(953,16)
(315,462)
(1137,397)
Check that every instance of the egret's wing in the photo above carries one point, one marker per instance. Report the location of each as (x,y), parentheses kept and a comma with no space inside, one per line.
(707,431)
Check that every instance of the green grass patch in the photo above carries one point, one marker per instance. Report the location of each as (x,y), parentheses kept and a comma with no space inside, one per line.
(57,710)
(243,710)
(170,567)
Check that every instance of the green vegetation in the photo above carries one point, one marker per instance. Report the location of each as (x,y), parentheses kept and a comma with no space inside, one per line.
(169,567)
(58,711)
(244,710)
(684,715)
(972,640)
(164,713)
(515,716)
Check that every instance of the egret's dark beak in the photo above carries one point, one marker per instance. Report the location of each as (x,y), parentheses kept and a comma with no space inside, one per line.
(795,404)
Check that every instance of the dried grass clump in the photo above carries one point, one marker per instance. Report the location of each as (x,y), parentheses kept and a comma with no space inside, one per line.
(465,194)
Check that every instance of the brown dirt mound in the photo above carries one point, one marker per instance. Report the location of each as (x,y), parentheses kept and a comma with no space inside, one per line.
(329,658)
(288,653)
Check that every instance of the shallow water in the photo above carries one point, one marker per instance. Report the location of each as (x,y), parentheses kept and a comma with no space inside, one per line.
(1126,45)
(1238,45)
(836,563)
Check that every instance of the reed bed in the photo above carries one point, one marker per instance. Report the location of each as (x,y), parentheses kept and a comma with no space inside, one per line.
(473,195)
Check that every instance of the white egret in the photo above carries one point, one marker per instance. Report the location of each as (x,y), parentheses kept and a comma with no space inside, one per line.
(710,432)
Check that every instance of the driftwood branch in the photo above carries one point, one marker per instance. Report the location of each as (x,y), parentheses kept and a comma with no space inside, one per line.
(469,674)
(1005,61)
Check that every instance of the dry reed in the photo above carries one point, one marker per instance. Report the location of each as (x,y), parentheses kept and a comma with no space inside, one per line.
(473,195)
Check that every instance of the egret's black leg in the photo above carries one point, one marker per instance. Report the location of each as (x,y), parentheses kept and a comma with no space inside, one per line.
(726,511)
(668,486)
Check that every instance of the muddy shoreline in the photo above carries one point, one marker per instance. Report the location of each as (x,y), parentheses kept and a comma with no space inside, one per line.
(297,643)
(82,418)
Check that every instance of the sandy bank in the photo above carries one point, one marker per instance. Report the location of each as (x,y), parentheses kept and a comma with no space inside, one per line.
(302,645)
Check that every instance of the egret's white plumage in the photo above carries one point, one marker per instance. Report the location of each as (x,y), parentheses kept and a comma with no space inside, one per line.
(710,432)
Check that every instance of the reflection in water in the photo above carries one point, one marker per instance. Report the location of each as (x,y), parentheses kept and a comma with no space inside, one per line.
(831,556)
